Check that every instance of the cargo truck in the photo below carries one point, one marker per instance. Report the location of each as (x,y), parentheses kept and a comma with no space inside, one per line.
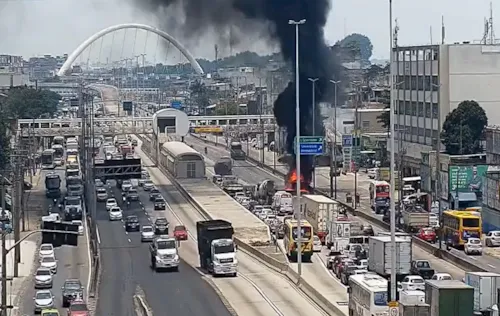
(379,260)
(223,166)
(449,297)
(319,211)
(486,286)
(414,218)
(216,247)
(53,185)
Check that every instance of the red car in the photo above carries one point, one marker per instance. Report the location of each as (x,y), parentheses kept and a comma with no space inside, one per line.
(180,232)
(78,308)
(427,234)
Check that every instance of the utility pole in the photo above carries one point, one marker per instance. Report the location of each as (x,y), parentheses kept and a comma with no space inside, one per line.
(3,219)
(17,185)
(333,177)
(313,87)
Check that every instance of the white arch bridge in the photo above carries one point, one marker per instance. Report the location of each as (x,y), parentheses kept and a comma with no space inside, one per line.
(74,55)
(139,125)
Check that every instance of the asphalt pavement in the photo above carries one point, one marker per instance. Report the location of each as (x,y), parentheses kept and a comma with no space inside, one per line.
(72,262)
(126,270)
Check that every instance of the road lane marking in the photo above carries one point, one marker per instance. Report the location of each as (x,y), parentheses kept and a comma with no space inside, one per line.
(491,266)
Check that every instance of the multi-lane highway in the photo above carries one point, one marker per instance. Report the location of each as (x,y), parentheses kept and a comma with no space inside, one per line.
(72,262)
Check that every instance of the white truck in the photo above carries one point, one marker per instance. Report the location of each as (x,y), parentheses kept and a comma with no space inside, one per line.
(164,254)
(379,260)
(339,235)
(486,286)
(414,218)
(319,211)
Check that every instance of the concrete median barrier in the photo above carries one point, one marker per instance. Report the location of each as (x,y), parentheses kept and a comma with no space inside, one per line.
(439,253)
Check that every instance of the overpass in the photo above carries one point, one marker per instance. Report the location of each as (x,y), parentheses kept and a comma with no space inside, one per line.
(133,125)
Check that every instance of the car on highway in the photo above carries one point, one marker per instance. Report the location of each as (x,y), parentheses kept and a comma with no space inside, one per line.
(78,307)
(43,278)
(154,195)
(148,185)
(442,277)
(473,246)
(50,312)
(180,232)
(126,185)
(80,226)
(44,299)
(413,283)
(72,289)
(111,202)
(428,234)
(134,142)
(49,263)
(115,214)
(132,195)
(46,250)
(147,233)
(101,194)
(316,244)
(161,226)
(132,223)
(159,204)
(99,183)
(492,239)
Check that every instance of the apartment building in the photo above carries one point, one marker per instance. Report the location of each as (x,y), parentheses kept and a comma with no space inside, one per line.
(430,81)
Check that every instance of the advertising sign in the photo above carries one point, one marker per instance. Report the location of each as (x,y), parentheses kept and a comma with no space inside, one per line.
(208,129)
(467,179)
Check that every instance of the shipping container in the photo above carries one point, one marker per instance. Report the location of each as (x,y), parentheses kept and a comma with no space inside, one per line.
(420,309)
(486,285)
(412,297)
(379,260)
(450,297)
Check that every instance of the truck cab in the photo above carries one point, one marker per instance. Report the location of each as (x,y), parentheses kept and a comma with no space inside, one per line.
(164,254)
(72,208)
(422,268)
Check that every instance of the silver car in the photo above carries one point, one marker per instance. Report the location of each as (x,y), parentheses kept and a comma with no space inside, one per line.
(147,233)
(43,299)
(49,263)
(43,278)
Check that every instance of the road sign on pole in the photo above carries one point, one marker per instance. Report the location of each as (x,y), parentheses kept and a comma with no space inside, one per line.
(346,140)
(310,145)
(393,309)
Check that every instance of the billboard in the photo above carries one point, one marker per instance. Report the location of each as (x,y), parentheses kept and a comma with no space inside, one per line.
(467,179)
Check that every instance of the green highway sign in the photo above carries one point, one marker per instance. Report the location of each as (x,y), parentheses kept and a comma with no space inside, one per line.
(310,139)
(310,145)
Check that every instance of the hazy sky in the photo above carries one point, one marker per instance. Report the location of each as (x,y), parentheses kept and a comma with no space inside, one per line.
(37,27)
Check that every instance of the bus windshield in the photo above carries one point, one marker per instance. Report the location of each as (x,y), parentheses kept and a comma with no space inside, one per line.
(236,146)
(382,188)
(305,232)
(47,158)
(470,222)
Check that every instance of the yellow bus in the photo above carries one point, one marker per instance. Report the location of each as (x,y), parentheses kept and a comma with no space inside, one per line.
(458,226)
(291,237)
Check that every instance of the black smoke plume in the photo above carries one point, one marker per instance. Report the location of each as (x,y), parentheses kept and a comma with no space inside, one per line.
(195,17)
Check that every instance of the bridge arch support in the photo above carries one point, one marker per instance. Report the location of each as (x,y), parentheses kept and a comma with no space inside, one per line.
(74,55)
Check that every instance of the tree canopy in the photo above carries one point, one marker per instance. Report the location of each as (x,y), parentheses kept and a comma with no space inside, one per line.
(4,140)
(28,103)
(359,44)
(463,129)
(384,118)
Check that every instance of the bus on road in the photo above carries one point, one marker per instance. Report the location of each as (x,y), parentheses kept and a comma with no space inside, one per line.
(48,159)
(291,237)
(458,226)
(367,295)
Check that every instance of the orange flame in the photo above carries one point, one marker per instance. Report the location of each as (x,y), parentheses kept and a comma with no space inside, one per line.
(290,185)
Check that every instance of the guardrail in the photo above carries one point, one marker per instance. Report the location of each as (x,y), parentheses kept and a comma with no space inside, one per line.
(96,259)
(427,247)
(144,309)
(276,265)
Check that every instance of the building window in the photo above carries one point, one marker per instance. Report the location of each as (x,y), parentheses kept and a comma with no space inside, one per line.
(191,170)
(414,108)
(414,130)
(434,110)
(365,124)
(401,107)
(413,81)
(407,108)
(406,85)
(427,110)
(420,81)
(420,109)
(435,83)
(427,132)
(421,132)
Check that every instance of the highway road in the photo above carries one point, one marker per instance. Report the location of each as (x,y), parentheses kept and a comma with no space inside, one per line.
(72,262)
(317,266)
(257,290)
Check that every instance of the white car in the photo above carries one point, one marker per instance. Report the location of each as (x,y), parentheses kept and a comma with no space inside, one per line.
(473,246)
(80,226)
(316,244)
(46,250)
(147,233)
(413,283)
(363,264)
(492,239)
(148,185)
(44,299)
(111,202)
(115,214)
(43,278)
(49,263)
(441,277)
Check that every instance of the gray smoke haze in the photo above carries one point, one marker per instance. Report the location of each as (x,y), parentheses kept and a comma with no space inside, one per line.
(268,18)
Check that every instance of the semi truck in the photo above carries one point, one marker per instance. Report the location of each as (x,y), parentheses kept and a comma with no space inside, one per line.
(379,260)
(216,247)
(53,185)
(486,286)
(319,211)
(223,166)
(236,151)
(231,185)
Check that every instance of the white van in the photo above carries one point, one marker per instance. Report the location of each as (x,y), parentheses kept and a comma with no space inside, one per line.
(283,203)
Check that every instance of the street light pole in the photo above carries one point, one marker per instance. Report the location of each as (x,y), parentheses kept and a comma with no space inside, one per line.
(297,143)
(333,173)
(313,82)
(392,143)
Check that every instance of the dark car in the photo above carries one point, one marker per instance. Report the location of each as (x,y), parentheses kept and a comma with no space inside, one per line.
(132,195)
(72,289)
(159,204)
(154,195)
(132,224)
(161,226)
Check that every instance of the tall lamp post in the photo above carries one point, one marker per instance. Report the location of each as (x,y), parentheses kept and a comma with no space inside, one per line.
(333,173)
(313,82)
(393,161)
(297,143)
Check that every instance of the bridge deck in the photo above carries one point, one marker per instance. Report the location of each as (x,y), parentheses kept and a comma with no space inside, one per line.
(219,205)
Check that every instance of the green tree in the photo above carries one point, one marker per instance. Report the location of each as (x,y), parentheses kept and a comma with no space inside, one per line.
(463,129)
(199,95)
(384,118)
(227,109)
(28,103)
(359,44)
(4,140)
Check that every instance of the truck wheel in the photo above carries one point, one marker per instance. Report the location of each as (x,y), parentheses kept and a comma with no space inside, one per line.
(235,275)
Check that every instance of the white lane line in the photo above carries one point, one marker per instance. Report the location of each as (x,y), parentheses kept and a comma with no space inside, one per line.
(129,240)
(491,266)
(89,255)
(98,234)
